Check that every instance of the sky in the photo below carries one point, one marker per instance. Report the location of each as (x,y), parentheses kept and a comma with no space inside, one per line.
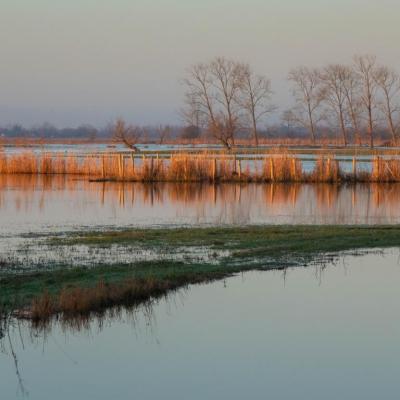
(69,62)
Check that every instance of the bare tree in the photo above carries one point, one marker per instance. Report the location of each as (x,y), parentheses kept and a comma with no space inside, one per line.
(289,119)
(352,91)
(334,78)
(164,133)
(127,134)
(308,95)
(365,67)
(255,99)
(389,83)
(211,97)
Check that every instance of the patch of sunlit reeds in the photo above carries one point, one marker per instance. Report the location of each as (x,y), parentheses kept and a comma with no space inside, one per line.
(202,167)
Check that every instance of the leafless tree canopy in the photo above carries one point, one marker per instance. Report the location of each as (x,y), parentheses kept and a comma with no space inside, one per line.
(334,78)
(365,68)
(389,83)
(357,97)
(164,132)
(221,95)
(127,134)
(352,91)
(308,94)
(255,99)
(225,98)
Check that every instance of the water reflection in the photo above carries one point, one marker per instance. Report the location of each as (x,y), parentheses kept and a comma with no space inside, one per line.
(291,333)
(37,204)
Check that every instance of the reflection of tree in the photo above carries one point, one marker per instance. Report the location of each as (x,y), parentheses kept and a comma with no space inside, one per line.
(7,347)
(12,329)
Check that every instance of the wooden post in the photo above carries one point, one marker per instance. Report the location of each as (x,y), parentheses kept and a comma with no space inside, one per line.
(143,165)
(328,168)
(293,168)
(103,167)
(186,169)
(354,168)
(133,164)
(271,166)
(214,169)
(377,167)
(239,168)
(121,166)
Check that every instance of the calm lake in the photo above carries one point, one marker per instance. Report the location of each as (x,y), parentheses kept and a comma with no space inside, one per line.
(320,332)
(324,331)
(37,204)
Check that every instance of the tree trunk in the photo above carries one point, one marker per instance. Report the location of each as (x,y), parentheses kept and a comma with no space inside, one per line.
(370,128)
(343,128)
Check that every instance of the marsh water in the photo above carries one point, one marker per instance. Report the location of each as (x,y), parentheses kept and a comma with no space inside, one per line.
(32,208)
(36,204)
(328,330)
(320,332)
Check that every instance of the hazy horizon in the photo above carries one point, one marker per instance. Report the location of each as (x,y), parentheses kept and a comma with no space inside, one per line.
(88,61)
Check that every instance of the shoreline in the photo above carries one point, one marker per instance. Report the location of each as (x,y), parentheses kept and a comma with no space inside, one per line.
(68,293)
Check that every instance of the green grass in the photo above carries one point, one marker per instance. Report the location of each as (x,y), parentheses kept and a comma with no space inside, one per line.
(249,241)
(264,247)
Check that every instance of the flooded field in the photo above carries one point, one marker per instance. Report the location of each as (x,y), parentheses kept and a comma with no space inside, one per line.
(34,204)
(307,333)
(282,333)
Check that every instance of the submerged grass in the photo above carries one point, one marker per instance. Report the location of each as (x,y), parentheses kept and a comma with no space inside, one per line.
(271,240)
(79,291)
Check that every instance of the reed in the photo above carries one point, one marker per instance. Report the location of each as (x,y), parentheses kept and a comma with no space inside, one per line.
(73,301)
(203,167)
(385,170)
(283,169)
(326,170)
(43,306)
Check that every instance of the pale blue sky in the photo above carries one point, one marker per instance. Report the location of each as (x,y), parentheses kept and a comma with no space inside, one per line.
(75,61)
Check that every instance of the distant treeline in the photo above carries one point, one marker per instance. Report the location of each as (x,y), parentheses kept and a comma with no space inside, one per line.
(157,134)
(165,134)
(91,133)
(226,102)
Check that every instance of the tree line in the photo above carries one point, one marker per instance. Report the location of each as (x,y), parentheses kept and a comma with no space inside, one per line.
(225,98)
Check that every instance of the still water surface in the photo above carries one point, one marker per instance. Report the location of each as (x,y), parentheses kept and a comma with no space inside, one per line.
(31,204)
(308,333)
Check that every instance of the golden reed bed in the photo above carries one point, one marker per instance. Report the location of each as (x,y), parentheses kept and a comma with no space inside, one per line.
(196,168)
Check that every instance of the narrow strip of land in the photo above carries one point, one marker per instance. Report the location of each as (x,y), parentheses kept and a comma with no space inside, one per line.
(84,290)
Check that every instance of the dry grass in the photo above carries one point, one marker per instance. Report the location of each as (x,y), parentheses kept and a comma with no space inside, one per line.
(43,307)
(326,170)
(385,170)
(204,167)
(72,302)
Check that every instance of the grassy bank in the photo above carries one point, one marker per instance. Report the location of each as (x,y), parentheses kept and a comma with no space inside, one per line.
(84,290)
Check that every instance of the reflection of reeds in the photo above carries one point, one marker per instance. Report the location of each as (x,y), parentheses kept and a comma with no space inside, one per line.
(195,168)
(26,187)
